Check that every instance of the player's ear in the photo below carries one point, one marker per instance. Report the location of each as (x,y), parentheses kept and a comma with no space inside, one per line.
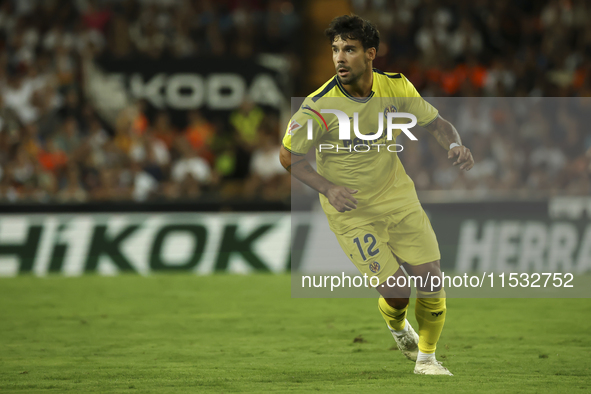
(371,53)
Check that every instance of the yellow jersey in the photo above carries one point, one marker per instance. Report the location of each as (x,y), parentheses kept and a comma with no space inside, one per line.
(370,166)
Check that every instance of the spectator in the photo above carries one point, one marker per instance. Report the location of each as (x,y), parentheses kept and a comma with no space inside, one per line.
(54,146)
(148,148)
(96,18)
(191,172)
(52,158)
(163,130)
(18,96)
(68,139)
(246,121)
(268,178)
(144,184)
(200,133)
(73,190)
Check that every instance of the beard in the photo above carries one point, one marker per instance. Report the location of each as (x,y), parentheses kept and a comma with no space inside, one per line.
(351,78)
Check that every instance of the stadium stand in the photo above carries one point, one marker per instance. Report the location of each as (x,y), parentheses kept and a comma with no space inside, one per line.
(54,146)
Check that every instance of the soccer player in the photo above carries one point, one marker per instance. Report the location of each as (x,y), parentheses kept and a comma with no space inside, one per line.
(369,200)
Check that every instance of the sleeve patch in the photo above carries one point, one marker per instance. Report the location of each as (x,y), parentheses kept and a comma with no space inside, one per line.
(293,126)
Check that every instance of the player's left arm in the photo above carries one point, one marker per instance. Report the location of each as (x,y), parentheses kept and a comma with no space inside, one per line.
(446,134)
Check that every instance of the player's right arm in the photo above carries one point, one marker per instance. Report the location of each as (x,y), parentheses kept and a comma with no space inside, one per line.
(297,142)
(340,197)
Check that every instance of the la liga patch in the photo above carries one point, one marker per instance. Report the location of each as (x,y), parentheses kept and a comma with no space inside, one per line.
(293,126)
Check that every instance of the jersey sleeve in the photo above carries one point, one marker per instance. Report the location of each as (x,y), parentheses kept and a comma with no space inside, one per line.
(297,139)
(417,106)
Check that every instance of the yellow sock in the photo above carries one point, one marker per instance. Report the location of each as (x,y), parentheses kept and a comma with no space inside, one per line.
(395,318)
(430,313)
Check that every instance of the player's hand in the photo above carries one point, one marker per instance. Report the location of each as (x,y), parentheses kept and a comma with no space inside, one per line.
(341,198)
(464,157)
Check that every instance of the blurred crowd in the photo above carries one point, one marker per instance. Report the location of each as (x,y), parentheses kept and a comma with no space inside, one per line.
(527,147)
(495,48)
(54,146)
(498,48)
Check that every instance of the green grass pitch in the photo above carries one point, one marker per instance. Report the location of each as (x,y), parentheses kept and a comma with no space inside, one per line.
(227,333)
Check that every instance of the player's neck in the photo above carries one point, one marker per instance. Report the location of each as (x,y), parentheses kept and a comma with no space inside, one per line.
(361,88)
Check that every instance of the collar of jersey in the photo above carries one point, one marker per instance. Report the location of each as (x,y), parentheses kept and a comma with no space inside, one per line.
(357,99)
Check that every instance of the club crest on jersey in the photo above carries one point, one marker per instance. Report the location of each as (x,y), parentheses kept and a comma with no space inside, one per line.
(293,126)
(389,109)
(374,267)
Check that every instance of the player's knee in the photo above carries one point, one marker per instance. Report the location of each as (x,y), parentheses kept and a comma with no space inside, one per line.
(397,303)
(430,276)
(429,283)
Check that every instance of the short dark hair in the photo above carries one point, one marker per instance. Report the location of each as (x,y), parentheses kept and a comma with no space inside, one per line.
(353,27)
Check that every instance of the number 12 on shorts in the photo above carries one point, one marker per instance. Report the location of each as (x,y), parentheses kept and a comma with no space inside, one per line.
(370,249)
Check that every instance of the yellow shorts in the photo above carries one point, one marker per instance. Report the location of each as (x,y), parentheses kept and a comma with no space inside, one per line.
(378,248)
